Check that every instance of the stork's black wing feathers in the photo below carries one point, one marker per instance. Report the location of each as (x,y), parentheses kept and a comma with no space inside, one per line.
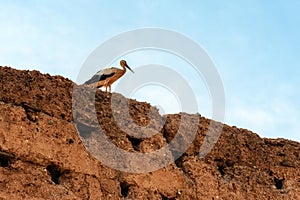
(98,77)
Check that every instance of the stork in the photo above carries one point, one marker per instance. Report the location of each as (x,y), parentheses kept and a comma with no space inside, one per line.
(108,76)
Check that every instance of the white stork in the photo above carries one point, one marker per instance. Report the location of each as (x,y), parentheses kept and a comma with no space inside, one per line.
(108,76)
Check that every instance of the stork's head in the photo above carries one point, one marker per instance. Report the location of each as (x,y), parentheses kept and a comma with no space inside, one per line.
(124,64)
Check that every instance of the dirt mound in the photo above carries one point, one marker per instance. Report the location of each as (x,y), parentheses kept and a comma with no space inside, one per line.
(42,156)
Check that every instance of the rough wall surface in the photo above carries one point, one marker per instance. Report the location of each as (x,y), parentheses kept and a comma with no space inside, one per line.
(43,157)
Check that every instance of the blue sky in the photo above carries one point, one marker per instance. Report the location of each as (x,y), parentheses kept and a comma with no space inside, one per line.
(254,44)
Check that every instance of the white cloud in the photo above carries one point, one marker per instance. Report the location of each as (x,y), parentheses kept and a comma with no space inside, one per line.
(158,96)
(277,118)
(39,38)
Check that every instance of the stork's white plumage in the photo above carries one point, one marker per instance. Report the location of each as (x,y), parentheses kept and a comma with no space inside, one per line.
(108,76)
